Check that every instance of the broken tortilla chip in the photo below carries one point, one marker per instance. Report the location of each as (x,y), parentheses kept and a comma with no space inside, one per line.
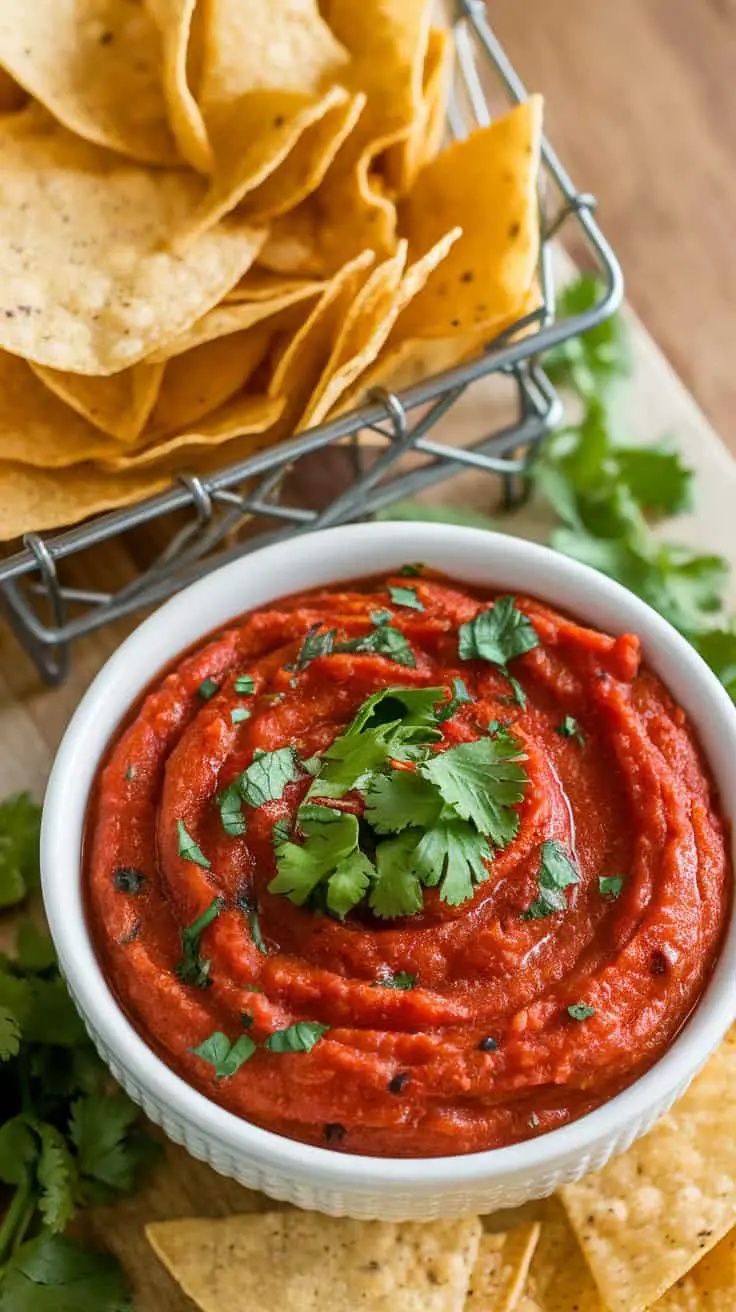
(119,405)
(402,161)
(174,19)
(87,283)
(558,1278)
(36,429)
(96,65)
(305,1262)
(501,1269)
(650,1215)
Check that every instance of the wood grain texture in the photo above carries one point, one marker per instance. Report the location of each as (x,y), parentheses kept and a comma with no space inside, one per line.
(641,106)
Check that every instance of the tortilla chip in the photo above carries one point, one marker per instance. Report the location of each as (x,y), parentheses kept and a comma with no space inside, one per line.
(36,428)
(87,282)
(650,1215)
(486,184)
(304,1262)
(96,65)
(38,499)
(710,1286)
(559,1278)
(242,417)
(262,285)
(199,381)
(501,1269)
(226,319)
(119,405)
(302,364)
(402,162)
(174,19)
(12,96)
(293,246)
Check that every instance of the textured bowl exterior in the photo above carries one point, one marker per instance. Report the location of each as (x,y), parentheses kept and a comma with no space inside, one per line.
(317,1178)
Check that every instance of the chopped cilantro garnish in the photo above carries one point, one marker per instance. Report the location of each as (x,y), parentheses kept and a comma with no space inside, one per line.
(189,849)
(518,692)
(453,855)
(231,811)
(207,689)
(610,885)
(580,1011)
(299,1037)
(330,841)
(460,696)
(315,644)
(239,714)
(244,685)
(265,779)
(556,873)
(405,597)
(225,1057)
(383,641)
(250,910)
(497,634)
(569,728)
(399,799)
(401,980)
(192,969)
(397,889)
(482,781)
(20,820)
(412,570)
(130,772)
(281,832)
(381,617)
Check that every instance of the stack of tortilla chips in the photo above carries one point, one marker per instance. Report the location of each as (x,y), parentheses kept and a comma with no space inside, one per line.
(222,221)
(655,1229)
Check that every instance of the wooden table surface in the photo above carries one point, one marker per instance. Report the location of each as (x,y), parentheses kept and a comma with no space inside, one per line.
(641,107)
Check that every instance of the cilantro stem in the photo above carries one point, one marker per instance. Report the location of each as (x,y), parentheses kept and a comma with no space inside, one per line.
(17,1218)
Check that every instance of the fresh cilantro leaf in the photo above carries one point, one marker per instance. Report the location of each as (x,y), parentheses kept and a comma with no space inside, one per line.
(518,692)
(239,714)
(19,1149)
(412,570)
(315,644)
(231,811)
(381,617)
(556,873)
(402,798)
(330,837)
(225,1057)
(130,772)
(349,884)
(387,724)
(482,781)
(580,1011)
(569,728)
(192,969)
(103,1129)
(189,849)
(51,1017)
(718,648)
(435,514)
(454,856)
(656,478)
(207,689)
(610,885)
(9,1034)
(244,685)
(497,634)
(383,641)
(405,597)
(598,358)
(281,832)
(20,827)
(299,1037)
(254,925)
(266,777)
(401,980)
(53,1274)
(397,890)
(460,696)
(57,1175)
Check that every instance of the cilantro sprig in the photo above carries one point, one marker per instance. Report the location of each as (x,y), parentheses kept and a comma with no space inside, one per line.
(424,818)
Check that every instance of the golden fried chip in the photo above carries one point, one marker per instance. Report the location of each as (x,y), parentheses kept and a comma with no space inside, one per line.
(36,428)
(651,1214)
(402,162)
(119,405)
(262,285)
(235,318)
(559,1278)
(200,380)
(242,417)
(12,96)
(52,498)
(709,1287)
(175,22)
(501,1269)
(87,282)
(293,246)
(96,65)
(304,1262)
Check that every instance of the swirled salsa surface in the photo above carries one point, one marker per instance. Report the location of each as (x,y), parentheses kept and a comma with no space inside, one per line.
(460,1027)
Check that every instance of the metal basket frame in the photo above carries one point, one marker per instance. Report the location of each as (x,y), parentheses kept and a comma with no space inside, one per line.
(48,615)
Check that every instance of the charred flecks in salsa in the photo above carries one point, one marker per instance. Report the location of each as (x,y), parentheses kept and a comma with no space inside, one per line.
(404,868)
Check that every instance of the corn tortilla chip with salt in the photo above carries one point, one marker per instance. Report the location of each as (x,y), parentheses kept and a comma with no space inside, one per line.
(402,162)
(501,1269)
(709,1287)
(235,318)
(175,21)
(119,405)
(97,66)
(652,1214)
(36,428)
(88,284)
(42,499)
(558,1277)
(293,246)
(201,380)
(247,417)
(262,285)
(304,1262)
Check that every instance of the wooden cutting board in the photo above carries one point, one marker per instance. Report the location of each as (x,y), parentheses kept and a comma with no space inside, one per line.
(33,718)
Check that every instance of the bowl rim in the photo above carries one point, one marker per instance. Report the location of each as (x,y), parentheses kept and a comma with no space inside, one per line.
(469,555)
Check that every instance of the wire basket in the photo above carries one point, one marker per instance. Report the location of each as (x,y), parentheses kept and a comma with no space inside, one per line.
(209,519)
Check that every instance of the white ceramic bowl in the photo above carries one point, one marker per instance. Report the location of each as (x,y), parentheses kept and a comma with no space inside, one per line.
(339,1183)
